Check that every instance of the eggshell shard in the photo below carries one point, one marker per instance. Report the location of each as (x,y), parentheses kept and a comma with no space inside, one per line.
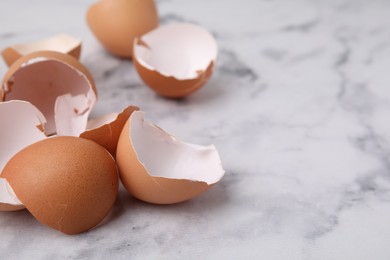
(116,23)
(61,43)
(8,199)
(107,129)
(175,60)
(156,167)
(43,77)
(21,126)
(67,183)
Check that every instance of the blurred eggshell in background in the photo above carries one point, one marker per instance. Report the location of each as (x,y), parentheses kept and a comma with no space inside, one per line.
(156,167)
(67,183)
(45,76)
(62,43)
(21,125)
(176,59)
(106,130)
(116,23)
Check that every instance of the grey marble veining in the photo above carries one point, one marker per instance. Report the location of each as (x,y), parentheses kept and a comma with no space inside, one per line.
(298,107)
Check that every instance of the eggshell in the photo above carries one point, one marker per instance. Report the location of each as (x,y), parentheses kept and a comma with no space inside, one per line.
(70,114)
(117,23)
(175,60)
(106,130)
(62,43)
(67,183)
(45,79)
(21,125)
(155,167)
(8,199)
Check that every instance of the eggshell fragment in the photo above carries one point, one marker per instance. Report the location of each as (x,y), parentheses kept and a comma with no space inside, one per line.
(21,126)
(156,167)
(107,129)
(43,77)
(8,199)
(117,23)
(67,183)
(62,43)
(175,60)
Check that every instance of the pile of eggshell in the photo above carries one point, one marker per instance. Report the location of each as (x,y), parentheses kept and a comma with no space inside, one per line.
(64,167)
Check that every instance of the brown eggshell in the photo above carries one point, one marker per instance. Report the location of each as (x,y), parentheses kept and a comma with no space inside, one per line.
(153,189)
(175,60)
(42,78)
(106,131)
(62,43)
(117,23)
(67,183)
(170,86)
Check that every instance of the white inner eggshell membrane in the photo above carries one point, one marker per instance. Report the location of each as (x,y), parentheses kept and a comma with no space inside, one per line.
(180,50)
(61,43)
(41,81)
(7,194)
(164,156)
(71,114)
(19,128)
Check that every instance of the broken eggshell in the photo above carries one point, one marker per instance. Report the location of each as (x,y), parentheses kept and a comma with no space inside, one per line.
(67,183)
(8,199)
(62,43)
(106,130)
(57,84)
(176,59)
(116,23)
(156,167)
(22,125)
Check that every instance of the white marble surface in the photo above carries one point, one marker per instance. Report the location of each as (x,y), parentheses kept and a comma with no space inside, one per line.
(299,108)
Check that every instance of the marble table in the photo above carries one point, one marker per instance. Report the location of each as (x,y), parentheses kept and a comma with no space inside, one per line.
(299,108)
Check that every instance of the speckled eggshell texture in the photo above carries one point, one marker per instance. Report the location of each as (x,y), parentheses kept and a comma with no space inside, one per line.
(67,183)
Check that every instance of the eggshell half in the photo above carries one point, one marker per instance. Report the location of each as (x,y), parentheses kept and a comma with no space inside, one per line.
(45,79)
(116,23)
(22,125)
(107,129)
(67,183)
(175,60)
(62,43)
(156,167)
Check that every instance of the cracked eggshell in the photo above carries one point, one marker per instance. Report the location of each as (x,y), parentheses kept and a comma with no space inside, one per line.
(62,43)
(67,183)
(156,167)
(176,59)
(22,125)
(116,23)
(57,84)
(8,199)
(106,130)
